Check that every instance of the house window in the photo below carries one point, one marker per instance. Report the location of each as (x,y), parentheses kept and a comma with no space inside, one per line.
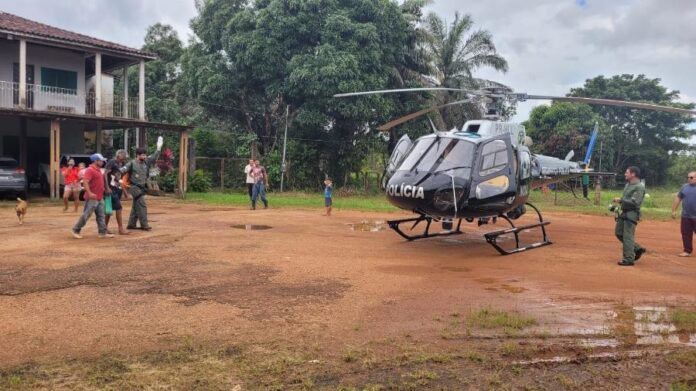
(59,79)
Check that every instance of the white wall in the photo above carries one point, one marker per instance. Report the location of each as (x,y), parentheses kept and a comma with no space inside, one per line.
(43,56)
(107,92)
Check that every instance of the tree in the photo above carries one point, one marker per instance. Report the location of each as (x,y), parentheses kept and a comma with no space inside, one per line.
(561,127)
(641,137)
(249,61)
(456,53)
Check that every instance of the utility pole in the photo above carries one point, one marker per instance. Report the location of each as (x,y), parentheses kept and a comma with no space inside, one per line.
(285,146)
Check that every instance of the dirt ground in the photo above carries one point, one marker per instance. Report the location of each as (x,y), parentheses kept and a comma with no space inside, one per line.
(357,300)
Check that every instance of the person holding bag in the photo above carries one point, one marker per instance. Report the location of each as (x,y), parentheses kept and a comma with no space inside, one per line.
(112,205)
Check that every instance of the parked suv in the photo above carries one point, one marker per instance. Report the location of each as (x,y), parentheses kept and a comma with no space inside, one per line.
(13,178)
(44,170)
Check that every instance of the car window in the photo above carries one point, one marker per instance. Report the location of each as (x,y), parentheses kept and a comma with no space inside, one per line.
(8,163)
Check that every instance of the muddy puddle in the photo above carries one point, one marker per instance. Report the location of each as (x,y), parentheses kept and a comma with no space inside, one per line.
(252,227)
(631,331)
(369,226)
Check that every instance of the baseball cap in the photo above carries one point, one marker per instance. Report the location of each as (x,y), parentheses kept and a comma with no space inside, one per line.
(97,156)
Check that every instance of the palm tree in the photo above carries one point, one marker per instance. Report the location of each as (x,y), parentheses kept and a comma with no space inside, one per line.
(456,53)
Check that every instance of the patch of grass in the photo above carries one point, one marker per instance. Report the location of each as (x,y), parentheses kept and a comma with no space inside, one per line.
(686,358)
(683,385)
(508,349)
(491,318)
(107,370)
(420,378)
(658,206)
(567,382)
(684,320)
(369,203)
(350,356)
(473,356)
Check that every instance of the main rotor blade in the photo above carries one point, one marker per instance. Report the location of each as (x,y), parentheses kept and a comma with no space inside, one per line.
(612,102)
(418,113)
(400,90)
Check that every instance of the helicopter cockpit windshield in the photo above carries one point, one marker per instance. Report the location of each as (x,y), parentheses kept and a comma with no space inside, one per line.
(440,154)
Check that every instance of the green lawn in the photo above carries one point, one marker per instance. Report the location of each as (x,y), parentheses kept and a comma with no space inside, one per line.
(657,206)
(370,203)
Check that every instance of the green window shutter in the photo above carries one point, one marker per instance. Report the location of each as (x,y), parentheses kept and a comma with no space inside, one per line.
(59,79)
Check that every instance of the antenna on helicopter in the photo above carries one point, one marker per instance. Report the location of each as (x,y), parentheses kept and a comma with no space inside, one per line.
(432,125)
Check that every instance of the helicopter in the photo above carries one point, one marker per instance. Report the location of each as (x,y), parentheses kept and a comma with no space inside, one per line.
(482,172)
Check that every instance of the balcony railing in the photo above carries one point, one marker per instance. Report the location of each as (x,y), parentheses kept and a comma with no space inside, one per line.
(62,100)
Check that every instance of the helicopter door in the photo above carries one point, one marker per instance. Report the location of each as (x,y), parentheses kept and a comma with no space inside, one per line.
(525,171)
(397,156)
(495,173)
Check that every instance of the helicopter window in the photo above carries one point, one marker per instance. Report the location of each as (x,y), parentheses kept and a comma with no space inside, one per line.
(495,157)
(458,154)
(416,153)
(443,146)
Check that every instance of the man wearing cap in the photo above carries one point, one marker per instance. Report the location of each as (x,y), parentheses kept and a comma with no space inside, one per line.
(94,184)
(138,171)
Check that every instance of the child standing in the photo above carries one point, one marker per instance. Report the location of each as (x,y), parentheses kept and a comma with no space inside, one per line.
(328,192)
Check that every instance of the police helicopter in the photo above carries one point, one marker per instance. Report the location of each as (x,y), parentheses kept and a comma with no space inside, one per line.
(482,172)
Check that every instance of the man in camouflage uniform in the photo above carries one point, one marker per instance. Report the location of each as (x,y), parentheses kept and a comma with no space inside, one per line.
(627,221)
(138,171)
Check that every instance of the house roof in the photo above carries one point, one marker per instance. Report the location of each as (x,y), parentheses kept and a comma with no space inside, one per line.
(14,24)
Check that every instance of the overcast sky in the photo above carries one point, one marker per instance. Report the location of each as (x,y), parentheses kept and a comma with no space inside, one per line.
(551,45)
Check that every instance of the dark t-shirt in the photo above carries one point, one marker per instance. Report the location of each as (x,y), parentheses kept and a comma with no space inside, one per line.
(113,173)
(688,196)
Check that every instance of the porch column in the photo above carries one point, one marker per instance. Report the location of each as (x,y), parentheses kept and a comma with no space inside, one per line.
(99,138)
(125,92)
(141,92)
(183,165)
(126,106)
(54,179)
(98,84)
(22,73)
(141,105)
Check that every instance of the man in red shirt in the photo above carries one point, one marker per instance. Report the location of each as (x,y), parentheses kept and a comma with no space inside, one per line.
(71,179)
(94,184)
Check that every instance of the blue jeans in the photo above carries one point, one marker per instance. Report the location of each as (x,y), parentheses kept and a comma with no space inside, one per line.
(259,190)
(92,206)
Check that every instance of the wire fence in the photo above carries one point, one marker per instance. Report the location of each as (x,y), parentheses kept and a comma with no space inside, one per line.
(228,174)
(225,173)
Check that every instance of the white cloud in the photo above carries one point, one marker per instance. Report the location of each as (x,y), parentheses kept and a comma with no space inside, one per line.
(551,45)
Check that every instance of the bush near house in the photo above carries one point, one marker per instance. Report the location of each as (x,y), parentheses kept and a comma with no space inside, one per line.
(200,182)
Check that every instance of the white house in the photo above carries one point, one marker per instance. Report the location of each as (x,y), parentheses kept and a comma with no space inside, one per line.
(56,85)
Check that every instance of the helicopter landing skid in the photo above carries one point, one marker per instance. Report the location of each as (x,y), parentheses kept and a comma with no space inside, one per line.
(395,225)
(492,237)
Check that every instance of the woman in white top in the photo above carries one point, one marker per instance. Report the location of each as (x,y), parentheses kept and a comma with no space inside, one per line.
(249,178)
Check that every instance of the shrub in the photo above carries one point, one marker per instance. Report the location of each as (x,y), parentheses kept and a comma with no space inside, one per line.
(167,183)
(200,182)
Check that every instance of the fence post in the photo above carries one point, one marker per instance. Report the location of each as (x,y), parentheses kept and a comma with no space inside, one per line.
(222,174)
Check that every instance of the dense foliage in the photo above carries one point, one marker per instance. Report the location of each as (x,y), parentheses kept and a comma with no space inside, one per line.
(253,66)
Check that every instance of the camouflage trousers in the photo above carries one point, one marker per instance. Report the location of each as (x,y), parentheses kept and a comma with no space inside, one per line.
(625,231)
(139,209)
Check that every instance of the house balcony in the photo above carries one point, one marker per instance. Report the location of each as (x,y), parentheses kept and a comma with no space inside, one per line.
(62,100)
